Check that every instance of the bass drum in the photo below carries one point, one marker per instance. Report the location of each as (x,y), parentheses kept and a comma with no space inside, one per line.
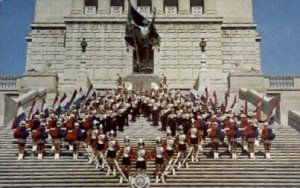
(140,180)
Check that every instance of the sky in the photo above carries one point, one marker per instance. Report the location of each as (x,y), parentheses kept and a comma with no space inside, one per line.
(278,25)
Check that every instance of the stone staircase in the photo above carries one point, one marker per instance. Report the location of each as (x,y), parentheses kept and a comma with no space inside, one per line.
(283,170)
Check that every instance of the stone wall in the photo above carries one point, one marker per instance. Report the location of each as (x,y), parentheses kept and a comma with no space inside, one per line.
(294,119)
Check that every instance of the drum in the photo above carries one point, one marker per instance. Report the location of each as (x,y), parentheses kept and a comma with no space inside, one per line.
(140,180)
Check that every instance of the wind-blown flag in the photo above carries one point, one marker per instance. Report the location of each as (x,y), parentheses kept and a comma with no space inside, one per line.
(194,90)
(206,94)
(272,114)
(233,103)
(56,106)
(91,92)
(138,28)
(224,103)
(64,101)
(215,101)
(33,110)
(79,96)
(20,116)
(258,111)
(73,96)
(246,108)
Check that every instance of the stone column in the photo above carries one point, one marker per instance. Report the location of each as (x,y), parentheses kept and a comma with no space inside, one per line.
(203,76)
(184,6)
(78,7)
(104,6)
(159,5)
(210,7)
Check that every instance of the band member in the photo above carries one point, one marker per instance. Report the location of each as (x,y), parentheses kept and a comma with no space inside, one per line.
(126,153)
(267,135)
(250,133)
(159,153)
(155,112)
(57,134)
(215,135)
(243,125)
(141,157)
(33,125)
(112,147)
(40,135)
(180,142)
(99,143)
(233,133)
(172,122)
(202,127)
(51,124)
(74,137)
(168,145)
(193,137)
(21,134)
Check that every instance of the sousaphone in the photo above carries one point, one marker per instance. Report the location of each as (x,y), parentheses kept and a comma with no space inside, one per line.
(154,86)
(128,86)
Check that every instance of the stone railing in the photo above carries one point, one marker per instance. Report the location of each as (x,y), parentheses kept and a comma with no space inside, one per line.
(8,83)
(282,82)
(294,119)
(25,100)
(254,97)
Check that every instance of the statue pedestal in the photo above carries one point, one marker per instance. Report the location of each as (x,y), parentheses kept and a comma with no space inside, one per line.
(146,79)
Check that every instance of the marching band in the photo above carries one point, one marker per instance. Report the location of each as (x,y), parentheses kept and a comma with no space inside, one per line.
(187,122)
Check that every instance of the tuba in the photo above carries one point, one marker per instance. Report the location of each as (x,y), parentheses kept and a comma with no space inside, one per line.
(154,86)
(128,86)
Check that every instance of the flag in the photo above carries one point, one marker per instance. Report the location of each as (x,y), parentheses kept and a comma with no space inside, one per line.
(246,108)
(224,103)
(215,102)
(91,92)
(33,110)
(43,104)
(206,94)
(196,85)
(135,30)
(233,103)
(73,96)
(258,111)
(142,85)
(20,116)
(272,114)
(64,101)
(56,106)
(79,96)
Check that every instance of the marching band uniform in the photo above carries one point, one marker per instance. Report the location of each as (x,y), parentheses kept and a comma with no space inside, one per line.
(215,136)
(21,134)
(250,133)
(57,134)
(99,144)
(112,146)
(267,135)
(40,136)
(180,142)
(33,125)
(141,157)
(127,154)
(159,153)
(193,137)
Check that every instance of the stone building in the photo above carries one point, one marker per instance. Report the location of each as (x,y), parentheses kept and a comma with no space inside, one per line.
(227,26)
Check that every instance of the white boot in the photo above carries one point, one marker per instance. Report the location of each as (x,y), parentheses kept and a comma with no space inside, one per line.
(173,171)
(215,155)
(75,156)
(52,148)
(34,148)
(256,142)
(163,179)
(235,156)
(71,148)
(56,156)
(91,161)
(268,156)
(156,179)
(229,147)
(193,158)
(129,178)
(108,172)
(121,179)
(252,156)
(179,165)
(186,164)
(40,156)
(20,156)
(245,147)
(114,172)
(200,147)
(102,165)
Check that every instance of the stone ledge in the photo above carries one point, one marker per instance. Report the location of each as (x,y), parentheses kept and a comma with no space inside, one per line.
(294,119)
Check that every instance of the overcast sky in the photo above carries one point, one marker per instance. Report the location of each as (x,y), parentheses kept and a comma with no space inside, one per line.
(278,24)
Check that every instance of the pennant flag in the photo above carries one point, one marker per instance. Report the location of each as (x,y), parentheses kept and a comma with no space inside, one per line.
(79,97)
(73,96)
(224,103)
(196,85)
(233,103)
(91,92)
(45,108)
(272,114)
(33,110)
(138,28)
(246,108)
(20,116)
(56,106)
(206,94)
(258,111)
(215,103)
(64,101)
